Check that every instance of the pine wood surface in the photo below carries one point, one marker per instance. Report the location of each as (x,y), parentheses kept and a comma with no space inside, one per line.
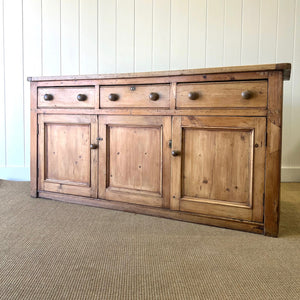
(221,163)
(222,94)
(285,67)
(66,163)
(67,97)
(214,159)
(138,97)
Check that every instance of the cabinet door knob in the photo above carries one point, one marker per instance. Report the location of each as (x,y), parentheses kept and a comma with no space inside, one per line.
(175,152)
(48,97)
(81,97)
(93,146)
(113,97)
(153,96)
(193,95)
(247,94)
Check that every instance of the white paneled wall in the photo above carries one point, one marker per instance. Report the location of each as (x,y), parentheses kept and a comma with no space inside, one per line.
(60,37)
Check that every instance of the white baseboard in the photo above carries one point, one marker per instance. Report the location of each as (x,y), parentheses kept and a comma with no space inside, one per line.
(15,173)
(290,174)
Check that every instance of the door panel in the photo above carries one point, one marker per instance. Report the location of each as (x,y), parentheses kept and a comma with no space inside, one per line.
(217,164)
(66,162)
(142,165)
(138,158)
(220,169)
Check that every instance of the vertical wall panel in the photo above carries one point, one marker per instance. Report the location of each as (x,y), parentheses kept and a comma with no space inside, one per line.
(295,120)
(285,34)
(54,37)
(32,59)
(232,32)
(179,34)
(51,37)
(250,32)
(161,35)
(13,47)
(69,37)
(143,35)
(215,33)
(88,37)
(285,49)
(268,31)
(107,36)
(197,34)
(125,36)
(2,92)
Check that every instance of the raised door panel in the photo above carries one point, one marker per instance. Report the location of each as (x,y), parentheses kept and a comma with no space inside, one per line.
(137,158)
(67,164)
(220,167)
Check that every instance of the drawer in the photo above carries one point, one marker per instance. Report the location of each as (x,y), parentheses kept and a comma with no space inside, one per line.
(224,94)
(135,96)
(69,97)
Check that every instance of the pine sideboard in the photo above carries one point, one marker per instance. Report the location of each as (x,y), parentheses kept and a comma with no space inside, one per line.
(201,145)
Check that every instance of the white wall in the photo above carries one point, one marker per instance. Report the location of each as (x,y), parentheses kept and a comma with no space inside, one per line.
(59,37)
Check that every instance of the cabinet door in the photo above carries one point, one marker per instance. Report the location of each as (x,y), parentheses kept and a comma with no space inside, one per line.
(134,159)
(67,162)
(218,167)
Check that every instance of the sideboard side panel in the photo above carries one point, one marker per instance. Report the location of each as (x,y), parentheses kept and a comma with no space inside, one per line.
(273,154)
(33,140)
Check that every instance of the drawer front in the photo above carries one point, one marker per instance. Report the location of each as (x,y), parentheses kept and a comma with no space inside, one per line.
(61,97)
(232,94)
(135,96)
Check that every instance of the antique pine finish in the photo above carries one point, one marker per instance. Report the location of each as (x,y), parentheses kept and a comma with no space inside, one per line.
(199,145)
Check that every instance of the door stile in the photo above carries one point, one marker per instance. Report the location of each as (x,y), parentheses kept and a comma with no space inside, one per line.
(176,164)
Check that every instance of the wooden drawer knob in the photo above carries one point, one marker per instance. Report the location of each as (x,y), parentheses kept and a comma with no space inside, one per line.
(93,146)
(48,97)
(193,95)
(247,94)
(113,97)
(153,96)
(175,152)
(81,97)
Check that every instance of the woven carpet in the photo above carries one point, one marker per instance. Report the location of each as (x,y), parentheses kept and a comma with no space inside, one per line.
(55,250)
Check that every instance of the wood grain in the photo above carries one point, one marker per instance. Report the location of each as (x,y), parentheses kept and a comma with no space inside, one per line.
(137,167)
(218,159)
(133,154)
(33,141)
(60,81)
(217,164)
(227,168)
(139,97)
(273,155)
(66,162)
(222,94)
(162,112)
(67,97)
(285,67)
(158,212)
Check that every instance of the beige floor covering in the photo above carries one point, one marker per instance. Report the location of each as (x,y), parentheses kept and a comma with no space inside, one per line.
(55,250)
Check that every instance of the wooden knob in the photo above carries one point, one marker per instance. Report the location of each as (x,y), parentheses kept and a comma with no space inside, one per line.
(247,94)
(93,146)
(175,152)
(81,97)
(113,97)
(193,95)
(48,97)
(153,96)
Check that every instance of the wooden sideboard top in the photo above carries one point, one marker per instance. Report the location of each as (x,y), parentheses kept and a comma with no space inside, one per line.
(284,67)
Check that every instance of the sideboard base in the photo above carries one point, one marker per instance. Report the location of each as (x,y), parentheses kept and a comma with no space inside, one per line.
(157,212)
